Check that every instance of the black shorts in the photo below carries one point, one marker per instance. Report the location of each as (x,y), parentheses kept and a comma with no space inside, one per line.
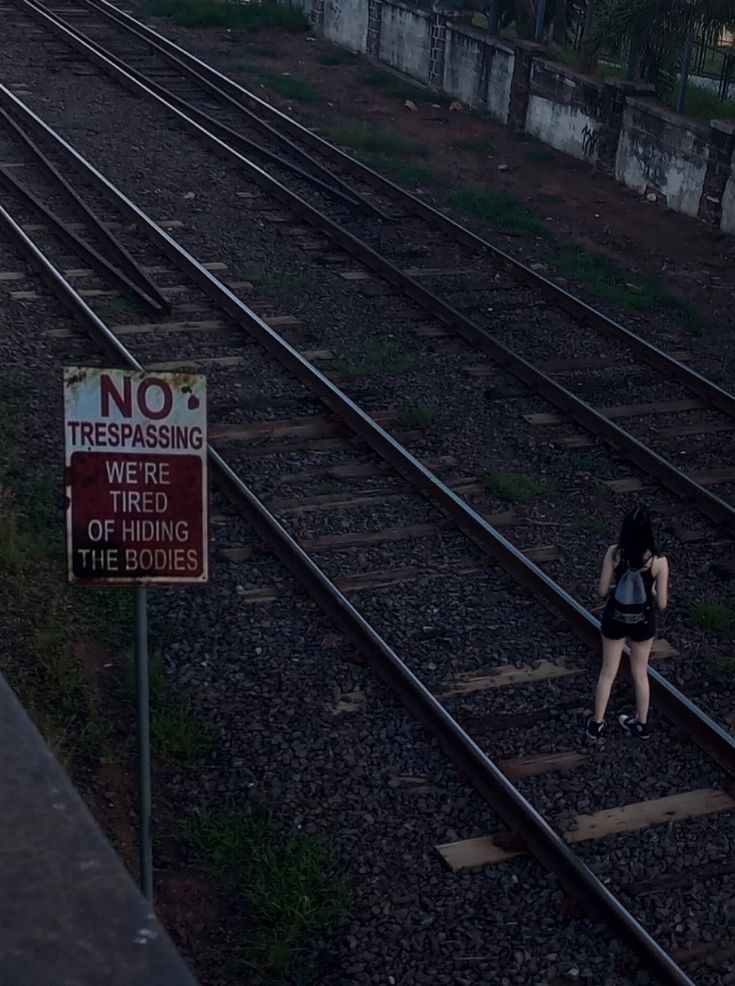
(615,630)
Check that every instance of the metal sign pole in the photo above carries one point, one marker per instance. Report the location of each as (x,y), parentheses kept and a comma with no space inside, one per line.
(144,741)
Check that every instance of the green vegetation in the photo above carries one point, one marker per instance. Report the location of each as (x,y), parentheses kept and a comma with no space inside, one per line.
(380,357)
(175,735)
(637,292)
(280,876)
(597,527)
(705,103)
(513,488)
(419,415)
(391,85)
(338,56)
(120,306)
(712,614)
(69,123)
(722,663)
(477,145)
(212,13)
(373,140)
(288,86)
(497,206)
(407,171)
(586,461)
(280,285)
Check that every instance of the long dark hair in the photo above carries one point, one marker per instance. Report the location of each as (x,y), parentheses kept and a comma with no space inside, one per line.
(636,540)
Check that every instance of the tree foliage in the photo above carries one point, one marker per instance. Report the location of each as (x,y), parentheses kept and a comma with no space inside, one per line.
(658,30)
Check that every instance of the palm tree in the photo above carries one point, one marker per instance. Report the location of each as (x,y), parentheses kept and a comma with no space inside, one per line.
(658,30)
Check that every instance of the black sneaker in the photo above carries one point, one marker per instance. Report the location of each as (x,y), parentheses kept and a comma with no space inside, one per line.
(632,727)
(594,730)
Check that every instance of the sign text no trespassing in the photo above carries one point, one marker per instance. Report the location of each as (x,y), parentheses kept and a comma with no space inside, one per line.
(136,485)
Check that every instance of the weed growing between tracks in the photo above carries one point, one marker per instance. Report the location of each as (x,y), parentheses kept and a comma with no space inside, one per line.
(513,488)
(712,614)
(278,285)
(338,56)
(470,144)
(418,415)
(498,206)
(379,357)
(282,877)
(212,13)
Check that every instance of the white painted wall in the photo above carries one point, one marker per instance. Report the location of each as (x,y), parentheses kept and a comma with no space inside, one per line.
(727,225)
(659,150)
(564,121)
(346,23)
(405,39)
(499,81)
(478,70)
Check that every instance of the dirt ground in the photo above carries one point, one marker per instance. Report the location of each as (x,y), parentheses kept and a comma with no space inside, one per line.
(694,260)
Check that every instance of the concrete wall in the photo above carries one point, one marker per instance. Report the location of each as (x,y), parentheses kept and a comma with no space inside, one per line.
(728,202)
(478,70)
(405,39)
(565,110)
(663,152)
(690,164)
(346,23)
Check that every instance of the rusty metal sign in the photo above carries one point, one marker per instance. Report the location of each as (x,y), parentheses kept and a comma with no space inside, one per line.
(136,477)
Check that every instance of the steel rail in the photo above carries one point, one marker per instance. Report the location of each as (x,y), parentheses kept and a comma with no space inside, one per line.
(641,455)
(78,245)
(130,276)
(253,104)
(705,732)
(517,813)
(328,182)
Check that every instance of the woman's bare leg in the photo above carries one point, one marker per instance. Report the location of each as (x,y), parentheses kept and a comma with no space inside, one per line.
(612,651)
(639,654)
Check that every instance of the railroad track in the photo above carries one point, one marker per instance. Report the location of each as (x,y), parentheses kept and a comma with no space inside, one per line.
(448,544)
(593,370)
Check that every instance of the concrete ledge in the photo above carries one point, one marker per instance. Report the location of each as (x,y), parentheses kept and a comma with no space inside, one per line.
(69,911)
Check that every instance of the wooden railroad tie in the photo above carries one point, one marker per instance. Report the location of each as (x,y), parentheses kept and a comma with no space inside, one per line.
(487,850)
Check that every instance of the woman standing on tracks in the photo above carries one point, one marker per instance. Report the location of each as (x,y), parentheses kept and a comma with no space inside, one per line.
(641,577)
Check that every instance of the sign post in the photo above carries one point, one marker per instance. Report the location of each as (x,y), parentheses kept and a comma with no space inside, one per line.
(136,507)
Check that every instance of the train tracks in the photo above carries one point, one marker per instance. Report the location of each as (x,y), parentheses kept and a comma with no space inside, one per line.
(385,511)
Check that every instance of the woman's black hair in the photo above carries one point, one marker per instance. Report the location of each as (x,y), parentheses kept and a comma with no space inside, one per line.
(636,540)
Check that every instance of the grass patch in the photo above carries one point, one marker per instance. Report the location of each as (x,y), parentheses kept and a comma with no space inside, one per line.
(380,357)
(288,86)
(12,548)
(175,735)
(211,13)
(281,877)
(713,614)
(704,103)
(373,140)
(722,663)
(109,612)
(478,146)
(281,285)
(419,415)
(408,171)
(393,87)
(338,56)
(586,461)
(636,292)
(498,206)
(123,305)
(513,488)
